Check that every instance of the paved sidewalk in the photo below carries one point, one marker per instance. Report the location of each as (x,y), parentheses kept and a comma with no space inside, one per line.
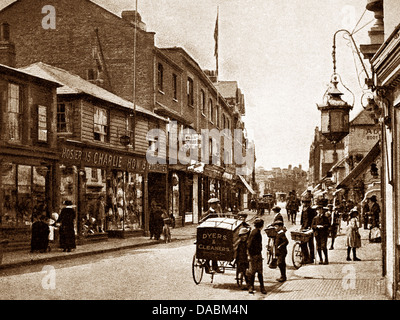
(340,280)
(24,257)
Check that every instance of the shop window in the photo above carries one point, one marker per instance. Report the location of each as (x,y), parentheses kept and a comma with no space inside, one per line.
(64,111)
(42,123)
(101,125)
(24,194)
(14,111)
(124,203)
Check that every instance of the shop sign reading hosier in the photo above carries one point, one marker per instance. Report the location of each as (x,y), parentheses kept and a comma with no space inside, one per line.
(93,158)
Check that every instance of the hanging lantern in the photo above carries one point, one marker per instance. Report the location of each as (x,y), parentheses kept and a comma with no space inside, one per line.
(335,112)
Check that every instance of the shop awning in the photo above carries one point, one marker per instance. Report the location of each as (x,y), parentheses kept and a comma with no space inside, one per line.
(364,163)
(247,185)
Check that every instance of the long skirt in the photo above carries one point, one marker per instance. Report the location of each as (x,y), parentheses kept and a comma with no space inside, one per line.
(67,237)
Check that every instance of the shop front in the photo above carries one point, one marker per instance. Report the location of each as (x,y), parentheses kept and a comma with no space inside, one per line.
(107,187)
(26,193)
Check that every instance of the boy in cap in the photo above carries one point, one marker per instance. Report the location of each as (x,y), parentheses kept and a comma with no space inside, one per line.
(254,248)
(242,261)
(281,243)
(278,216)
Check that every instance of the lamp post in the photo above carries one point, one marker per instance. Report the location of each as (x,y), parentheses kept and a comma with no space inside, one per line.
(335,123)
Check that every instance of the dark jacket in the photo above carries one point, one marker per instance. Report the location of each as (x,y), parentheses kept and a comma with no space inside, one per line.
(306,218)
(254,243)
(40,236)
(281,243)
(321,221)
(67,231)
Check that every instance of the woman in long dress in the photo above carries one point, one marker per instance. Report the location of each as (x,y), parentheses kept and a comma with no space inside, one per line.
(67,231)
(353,235)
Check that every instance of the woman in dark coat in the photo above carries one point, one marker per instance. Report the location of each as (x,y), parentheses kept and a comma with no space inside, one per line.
(40,235)
(67,231)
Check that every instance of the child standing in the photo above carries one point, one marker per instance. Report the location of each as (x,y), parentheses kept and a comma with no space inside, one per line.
(254,248)
(242,262)
(281,243)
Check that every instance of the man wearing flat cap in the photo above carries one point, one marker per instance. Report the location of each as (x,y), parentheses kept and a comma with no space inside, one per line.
(254,249)
(307,215)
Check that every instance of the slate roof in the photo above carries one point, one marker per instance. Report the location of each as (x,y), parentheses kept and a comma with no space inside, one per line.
(73,84)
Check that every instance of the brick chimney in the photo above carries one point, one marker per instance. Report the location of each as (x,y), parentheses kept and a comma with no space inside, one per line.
(130,16)
(376,33)
(7,48)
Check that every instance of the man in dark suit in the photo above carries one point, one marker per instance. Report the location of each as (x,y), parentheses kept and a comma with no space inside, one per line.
(307,216)
(254,248)
(320,225)
(281,243)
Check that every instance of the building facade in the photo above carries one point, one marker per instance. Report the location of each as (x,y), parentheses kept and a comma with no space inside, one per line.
(28,152)
(119,55)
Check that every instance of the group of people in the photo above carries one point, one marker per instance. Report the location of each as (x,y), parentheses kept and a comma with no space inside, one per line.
(248,252)
(44,226)
(324,221)
(160,222)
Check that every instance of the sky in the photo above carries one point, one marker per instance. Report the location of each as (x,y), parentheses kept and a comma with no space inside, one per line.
(279,52)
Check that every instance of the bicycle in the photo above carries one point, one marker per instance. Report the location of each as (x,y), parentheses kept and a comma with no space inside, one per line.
(271,233)
(299,237)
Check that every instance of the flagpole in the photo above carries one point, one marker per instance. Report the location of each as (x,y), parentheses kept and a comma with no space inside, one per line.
(216,41)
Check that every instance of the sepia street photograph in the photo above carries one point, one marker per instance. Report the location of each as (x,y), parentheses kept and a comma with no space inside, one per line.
(199,158)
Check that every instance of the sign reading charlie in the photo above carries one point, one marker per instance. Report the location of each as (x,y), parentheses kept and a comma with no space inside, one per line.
(216,238)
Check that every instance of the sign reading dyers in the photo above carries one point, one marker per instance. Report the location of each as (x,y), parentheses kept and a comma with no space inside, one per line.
(91,157)
(214,243)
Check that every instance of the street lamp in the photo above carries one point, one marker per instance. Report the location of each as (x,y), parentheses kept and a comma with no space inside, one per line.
(335,123)
(334,114)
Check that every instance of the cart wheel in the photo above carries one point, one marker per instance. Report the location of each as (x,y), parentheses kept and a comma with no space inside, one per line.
(197,269)
(270,250)
(297,255)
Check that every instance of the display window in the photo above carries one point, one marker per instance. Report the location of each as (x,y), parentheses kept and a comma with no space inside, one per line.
(24,194)
(124,201)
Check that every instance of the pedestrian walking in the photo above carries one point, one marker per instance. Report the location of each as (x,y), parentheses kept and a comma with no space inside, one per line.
(320,226)
(67,230)
(334,220)
(365,215)
(254,248)
(353,235)
(100,214)
(278,216)
(169,221)
(307,216)
(40,235)
(241,258)
(281,243)
(158,222)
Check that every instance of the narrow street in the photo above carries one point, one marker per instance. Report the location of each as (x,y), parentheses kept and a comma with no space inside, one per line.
(164,272)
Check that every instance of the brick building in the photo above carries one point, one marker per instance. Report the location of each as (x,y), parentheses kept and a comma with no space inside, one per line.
(118,54)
